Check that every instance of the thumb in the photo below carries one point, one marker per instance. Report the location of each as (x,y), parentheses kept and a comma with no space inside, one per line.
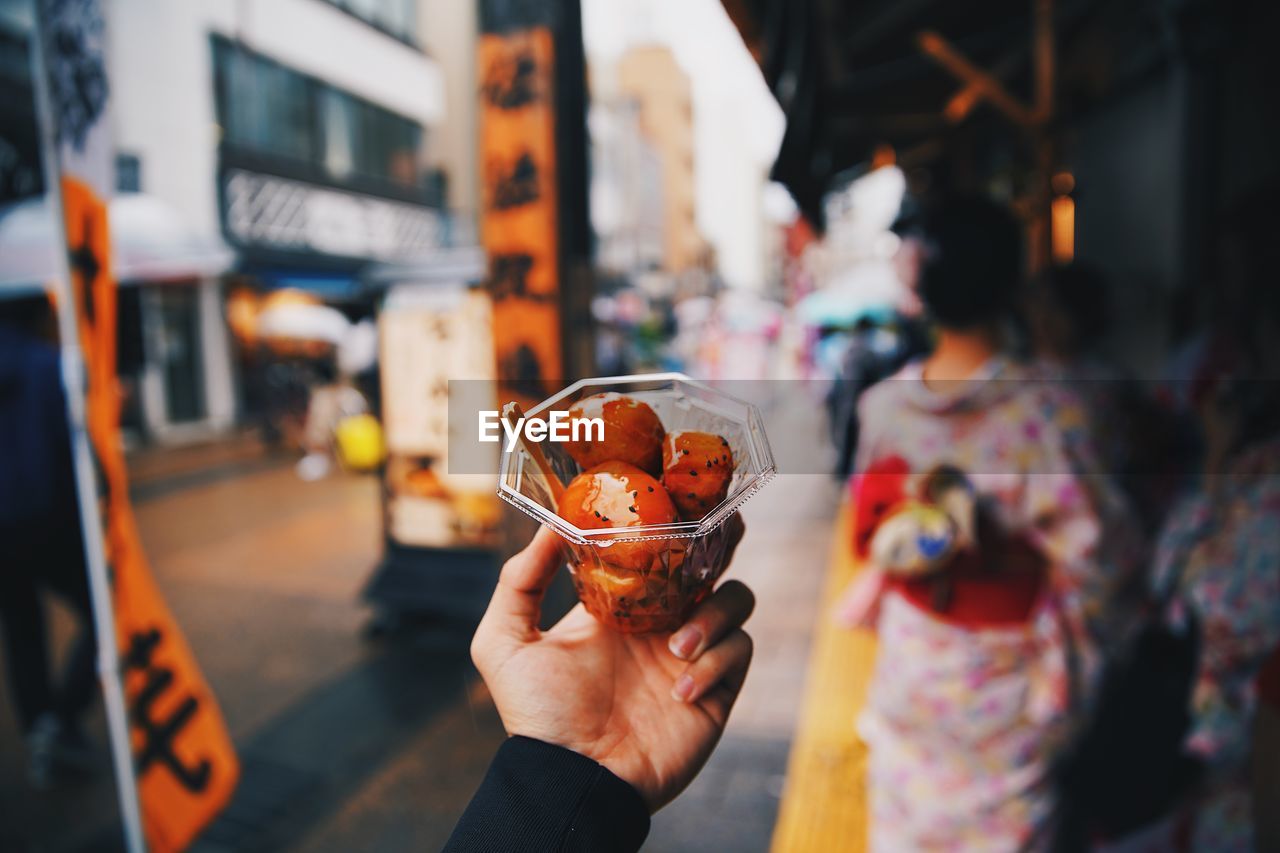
(516,605)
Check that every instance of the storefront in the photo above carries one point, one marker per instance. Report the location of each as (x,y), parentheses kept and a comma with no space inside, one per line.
(313,180)
(314,183)
(174,350)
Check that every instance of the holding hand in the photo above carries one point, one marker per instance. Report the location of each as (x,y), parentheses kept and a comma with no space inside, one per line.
(648,707)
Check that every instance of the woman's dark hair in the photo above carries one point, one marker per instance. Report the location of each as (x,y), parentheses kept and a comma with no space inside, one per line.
(972,261)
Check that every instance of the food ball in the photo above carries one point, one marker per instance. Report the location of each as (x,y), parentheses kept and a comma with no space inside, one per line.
(632,433)
(616,494)
(696,470)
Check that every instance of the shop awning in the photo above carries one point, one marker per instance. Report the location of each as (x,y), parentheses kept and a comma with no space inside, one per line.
(454,264)
(337,284)
(149,243)
(934,79)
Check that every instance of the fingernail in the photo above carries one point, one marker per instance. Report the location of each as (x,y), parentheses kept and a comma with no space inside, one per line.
(684,643)
(683,689)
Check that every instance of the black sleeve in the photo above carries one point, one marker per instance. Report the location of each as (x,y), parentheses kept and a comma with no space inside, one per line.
(537,797)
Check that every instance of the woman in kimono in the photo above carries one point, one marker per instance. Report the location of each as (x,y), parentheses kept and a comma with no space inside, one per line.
(1220,550)
(975,686)
(1218,556)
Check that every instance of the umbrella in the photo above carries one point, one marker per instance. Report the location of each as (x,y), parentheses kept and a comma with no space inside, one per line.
(149,242)
(870,291)
(302,322)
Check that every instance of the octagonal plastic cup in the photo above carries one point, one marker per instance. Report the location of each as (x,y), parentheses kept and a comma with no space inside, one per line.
(689,556)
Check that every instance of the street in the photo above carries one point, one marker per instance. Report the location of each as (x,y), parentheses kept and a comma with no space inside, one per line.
(351,743)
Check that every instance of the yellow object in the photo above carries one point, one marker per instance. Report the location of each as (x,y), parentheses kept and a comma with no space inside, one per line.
(824,804)
(359,442)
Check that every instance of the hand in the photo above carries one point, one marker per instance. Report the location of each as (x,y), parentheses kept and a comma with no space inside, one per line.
(649,707)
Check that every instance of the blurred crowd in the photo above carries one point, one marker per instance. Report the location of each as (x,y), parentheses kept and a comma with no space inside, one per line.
(1073,571)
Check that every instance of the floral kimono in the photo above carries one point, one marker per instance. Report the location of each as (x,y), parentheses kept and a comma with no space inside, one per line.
(1223,554)
(963,717)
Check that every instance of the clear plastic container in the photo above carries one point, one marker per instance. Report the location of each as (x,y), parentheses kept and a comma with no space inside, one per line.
(688,555)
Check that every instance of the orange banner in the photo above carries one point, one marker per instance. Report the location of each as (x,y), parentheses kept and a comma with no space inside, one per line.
(185,765)
(519,225)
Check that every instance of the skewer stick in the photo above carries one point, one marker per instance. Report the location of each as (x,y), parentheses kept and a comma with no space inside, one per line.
(513,414)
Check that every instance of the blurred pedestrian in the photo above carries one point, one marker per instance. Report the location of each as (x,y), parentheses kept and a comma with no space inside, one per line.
(331,401)
(975,682)
(41,549)
(605,728)
(1220,553)
(878,350)
(1069,320)
(1218,556)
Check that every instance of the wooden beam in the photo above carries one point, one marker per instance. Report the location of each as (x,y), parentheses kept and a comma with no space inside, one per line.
(1046,19)
(1043,60)
(963,101)
(1042,51)
(983,83)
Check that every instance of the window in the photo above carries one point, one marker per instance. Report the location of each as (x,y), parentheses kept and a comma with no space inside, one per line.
(340,129)
(396,18)
(20,175)
(363,139)
(128,173)
(262,106)
(388,145)
(266,109)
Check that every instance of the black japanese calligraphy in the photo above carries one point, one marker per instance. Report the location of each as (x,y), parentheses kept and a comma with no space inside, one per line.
(159,735)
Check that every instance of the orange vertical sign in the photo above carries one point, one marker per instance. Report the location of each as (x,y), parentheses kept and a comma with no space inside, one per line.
(162,717)
(184,762)
(519,219)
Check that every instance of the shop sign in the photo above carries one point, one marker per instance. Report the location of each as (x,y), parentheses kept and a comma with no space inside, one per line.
(175,764)
(270,212)
(519,225)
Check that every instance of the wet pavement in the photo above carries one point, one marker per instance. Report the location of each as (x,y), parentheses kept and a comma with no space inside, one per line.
(350,743)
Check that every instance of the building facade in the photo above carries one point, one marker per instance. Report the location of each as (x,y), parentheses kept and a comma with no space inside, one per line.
(650,76)
(627,210)
(449,30)
(298,132)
